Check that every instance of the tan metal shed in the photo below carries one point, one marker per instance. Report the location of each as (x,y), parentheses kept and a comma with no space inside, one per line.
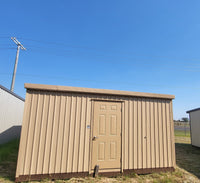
(67,131)
(195,126)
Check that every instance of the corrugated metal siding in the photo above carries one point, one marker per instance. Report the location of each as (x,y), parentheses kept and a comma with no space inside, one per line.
(195,127)
(54,134)
(11,114)
(148,134)
(55,137)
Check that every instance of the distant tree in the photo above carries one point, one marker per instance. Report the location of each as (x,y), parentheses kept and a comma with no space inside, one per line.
(185,119)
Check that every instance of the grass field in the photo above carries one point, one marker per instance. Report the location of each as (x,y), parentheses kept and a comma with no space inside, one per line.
(179,133)
(8,160)
(187,158)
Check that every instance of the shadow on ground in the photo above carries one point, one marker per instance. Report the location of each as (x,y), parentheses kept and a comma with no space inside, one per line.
(188,158)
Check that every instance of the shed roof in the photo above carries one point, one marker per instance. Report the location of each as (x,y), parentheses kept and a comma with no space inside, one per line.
(95,91)
(193,110)
(12,93)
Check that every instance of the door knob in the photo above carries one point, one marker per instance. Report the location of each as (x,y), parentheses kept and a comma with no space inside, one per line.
(94,138)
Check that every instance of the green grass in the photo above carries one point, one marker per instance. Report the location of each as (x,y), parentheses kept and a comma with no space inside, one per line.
(8,160)
(187,158)
(9,150)
(181,133)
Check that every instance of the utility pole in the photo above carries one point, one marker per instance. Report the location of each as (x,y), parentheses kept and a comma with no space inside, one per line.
(19,45)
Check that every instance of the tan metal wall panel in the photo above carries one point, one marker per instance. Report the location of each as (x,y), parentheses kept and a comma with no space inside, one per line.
(24,132)
(172,136)
(87,136)
(122,139)
(148,137)
(36,135)
(148,134)
(131,139)
(168,128)
(30,135)
(56,133)
(160,132)
(135,133)
(139,138)
(76,135)
(165,150)
(60,134)
(82,134)
(43,132)
(126,139)
(49,131)
(143,137)
(71,135)
(66,134)
(156,140)
(152,132)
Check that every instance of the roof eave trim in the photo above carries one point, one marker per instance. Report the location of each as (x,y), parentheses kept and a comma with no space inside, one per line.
(12,93)
(196,109)
(95,91)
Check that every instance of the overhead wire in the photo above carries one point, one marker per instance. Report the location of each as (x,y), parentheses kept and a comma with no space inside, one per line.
(141,62)
(72,46)
(99,50)
(107,61)
(8,48)
(4,37)
(76,79)
(95,81)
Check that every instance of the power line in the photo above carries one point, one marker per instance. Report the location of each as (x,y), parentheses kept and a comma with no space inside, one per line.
(142,62)
(146,65)
(89,48)
(4,37)
(57,43)
(103,55)
(96,81)
(4,48)
(92,48)
(121,62)
(3,44)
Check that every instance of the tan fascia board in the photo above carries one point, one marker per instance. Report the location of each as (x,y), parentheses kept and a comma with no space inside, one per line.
(95,91)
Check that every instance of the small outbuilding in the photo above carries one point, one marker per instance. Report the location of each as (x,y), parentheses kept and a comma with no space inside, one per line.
(195,126)
(11,114)
(68,131)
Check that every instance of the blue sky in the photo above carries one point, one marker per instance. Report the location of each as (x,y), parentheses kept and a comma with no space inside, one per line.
(146,46)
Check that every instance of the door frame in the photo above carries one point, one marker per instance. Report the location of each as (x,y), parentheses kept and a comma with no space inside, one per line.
(91,130)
